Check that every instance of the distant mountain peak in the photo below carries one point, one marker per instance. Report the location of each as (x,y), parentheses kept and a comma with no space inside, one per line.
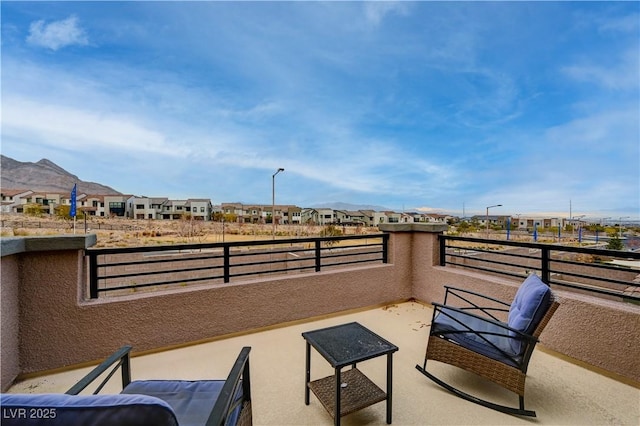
(45,175)
(53,166)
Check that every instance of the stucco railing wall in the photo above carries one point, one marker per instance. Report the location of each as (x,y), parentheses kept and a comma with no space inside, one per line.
(10,320)
(59,326)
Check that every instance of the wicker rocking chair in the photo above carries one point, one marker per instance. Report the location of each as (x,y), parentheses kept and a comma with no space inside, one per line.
(473,338)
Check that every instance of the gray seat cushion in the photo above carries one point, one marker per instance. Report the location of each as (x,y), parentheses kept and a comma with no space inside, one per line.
(496,345)
(191,401)
(85,410)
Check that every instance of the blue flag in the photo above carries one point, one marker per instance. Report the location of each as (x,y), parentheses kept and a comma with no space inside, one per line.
(535,232)
(72,211)
(508,227)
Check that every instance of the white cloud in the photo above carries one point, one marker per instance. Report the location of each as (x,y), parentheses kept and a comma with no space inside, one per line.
(620,75)
(82,130)
(625,24)
(376,11)
(58,34)
(614,131)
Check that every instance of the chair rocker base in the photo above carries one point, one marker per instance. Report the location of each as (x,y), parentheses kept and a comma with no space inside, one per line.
(502,408)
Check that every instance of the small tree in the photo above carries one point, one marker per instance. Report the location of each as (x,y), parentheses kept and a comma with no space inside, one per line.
(464,227)
(615,243)
(62,212)
(330,231)
(33,210)
(225,217)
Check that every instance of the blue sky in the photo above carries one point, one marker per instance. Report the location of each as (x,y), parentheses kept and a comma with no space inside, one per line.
(430,106)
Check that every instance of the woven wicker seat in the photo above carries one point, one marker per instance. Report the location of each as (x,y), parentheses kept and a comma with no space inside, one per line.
(468,334)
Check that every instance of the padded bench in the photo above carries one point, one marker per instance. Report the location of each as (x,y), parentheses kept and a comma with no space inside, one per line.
(141,402)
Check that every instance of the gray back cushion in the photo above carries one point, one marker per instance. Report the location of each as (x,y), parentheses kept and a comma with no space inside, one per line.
(528,307)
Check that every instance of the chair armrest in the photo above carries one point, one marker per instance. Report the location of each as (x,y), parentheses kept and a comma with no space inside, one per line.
(514,333)
(120,358)
(239,375)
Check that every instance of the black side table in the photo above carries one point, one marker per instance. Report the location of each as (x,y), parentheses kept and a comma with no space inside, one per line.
(343,345)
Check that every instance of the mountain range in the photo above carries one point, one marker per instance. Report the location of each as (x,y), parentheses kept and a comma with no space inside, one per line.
(45,176)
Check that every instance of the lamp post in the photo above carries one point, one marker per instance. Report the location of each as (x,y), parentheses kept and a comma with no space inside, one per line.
(273,201)
(487,217)
(602,222)
(573,233)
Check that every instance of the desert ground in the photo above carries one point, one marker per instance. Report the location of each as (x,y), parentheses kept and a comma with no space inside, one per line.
(118,232)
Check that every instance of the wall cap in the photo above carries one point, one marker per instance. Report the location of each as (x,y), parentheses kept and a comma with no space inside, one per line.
(413,227)
(16,245)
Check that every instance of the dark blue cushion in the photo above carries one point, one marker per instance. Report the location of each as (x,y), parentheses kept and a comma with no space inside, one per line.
(81,410)
(192,401)
(487,338)
(528,307)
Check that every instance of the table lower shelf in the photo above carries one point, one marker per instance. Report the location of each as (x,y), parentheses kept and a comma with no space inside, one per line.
(359,393)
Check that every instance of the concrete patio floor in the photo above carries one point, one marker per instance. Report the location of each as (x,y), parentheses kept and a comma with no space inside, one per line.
(561,392)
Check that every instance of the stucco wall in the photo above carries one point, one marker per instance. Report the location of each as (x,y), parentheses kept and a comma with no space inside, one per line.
(63,328)
(9,321)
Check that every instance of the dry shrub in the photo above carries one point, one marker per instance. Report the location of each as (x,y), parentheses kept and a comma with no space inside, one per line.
(585,258)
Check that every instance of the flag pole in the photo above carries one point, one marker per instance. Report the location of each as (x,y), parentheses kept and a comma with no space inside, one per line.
(72,209)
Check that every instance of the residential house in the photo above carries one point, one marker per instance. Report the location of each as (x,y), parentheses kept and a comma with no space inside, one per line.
(492,220)
(291,215)
(393,217)
(201,208)
(374,218)
(145,207)
(14,199)
(319,216)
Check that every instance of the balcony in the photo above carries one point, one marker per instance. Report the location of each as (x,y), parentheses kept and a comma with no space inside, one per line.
(52,332)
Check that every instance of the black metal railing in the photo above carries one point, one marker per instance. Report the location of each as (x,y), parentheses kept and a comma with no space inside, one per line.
(592,270)
(127,269)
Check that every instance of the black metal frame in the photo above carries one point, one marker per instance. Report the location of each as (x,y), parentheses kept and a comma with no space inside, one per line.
(483,313)
(121,358)
(341,331)
(502,408)
(224,405)
(227,257)
(238,376)
(544,261)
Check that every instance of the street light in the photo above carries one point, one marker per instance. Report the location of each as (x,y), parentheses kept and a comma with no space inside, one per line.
(273,201)
(487,217)
(573,233)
